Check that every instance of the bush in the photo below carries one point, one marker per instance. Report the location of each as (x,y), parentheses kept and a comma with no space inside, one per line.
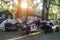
(2,29)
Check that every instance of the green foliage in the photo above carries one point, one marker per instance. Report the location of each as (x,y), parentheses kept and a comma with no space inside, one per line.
(54,12)
(0,8)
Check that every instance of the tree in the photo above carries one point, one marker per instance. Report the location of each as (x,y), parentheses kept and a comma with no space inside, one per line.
(44,9)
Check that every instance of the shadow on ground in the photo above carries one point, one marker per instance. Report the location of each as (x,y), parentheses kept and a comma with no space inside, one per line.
(34,36)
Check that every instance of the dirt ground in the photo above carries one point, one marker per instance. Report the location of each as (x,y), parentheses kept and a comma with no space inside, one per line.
(18,36)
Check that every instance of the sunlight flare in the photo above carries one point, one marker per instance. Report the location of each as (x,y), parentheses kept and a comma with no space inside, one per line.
(16,1)
(24,4)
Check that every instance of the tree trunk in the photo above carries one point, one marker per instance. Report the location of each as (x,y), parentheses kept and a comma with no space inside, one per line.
(18,14)
(45,10)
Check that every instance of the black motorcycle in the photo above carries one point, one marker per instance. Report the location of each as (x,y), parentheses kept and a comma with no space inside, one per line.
(47,27)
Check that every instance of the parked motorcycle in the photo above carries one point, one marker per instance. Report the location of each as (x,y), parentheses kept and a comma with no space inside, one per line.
(47,26)
(9,27)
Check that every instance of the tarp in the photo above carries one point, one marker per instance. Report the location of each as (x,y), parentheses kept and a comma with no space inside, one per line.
(2,25)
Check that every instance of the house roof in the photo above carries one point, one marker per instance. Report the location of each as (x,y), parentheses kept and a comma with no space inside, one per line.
(30,13)
(5,12)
